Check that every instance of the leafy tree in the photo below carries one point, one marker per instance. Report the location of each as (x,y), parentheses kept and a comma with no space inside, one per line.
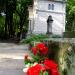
(2,5)
(70,25)
(15,20)
(10,7)
(2,18)
(22,11)
(2,24)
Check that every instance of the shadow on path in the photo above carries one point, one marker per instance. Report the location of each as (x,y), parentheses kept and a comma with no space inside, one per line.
(10,40)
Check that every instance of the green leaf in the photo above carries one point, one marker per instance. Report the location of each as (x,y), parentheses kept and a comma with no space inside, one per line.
(41,72)
(45,73)
(36,58)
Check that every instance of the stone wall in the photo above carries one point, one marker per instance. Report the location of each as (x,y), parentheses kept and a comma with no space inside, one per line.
(62,51)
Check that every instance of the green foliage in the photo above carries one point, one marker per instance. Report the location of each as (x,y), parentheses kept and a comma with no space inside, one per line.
(46,73)
(27,62)
(2,5)
(22,12)
(56,36)
(16,22)
(2,24)
(70,16)
(41,72)
(35,58)
(19,10)
(32,38)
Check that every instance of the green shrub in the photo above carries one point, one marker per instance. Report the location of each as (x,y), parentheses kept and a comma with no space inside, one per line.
(33,37)
(56,36)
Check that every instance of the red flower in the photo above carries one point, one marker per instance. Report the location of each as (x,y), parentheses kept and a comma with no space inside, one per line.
(50,63)
(42,48)
(35,70)
(25,57)
(40,45)
(45,50)
(51,66)
(34,50)
(55,72)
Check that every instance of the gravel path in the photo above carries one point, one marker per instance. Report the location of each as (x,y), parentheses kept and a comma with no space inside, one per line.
(11,58)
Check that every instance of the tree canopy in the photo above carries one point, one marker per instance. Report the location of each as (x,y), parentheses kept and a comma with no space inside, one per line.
(15,9)
(70,15)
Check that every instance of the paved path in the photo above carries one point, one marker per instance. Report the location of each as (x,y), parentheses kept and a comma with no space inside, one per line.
(11,58)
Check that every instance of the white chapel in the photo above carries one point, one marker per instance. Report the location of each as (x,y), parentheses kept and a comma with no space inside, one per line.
(41,10)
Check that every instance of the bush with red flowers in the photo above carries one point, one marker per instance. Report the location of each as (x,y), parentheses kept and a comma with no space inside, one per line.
(40,48)
(40,52)
(49,67)
(43,66)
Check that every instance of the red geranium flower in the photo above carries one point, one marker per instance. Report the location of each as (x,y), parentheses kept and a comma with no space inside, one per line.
(50,63)
(25,57)
(34,50)
(52,66)
(45,50)
(42,48)
(55,72)
(35,70)
(40,45)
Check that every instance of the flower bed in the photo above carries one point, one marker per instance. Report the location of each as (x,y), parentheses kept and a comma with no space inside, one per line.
(40,63)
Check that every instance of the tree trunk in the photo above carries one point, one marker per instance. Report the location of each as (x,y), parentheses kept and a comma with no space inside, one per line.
(10,7)
(10,24)
(21,27)
(6,27)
